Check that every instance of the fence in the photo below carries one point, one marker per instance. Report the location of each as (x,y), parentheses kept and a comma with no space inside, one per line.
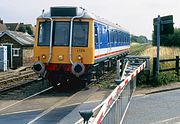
(176,68)
(118,109)
(113,109)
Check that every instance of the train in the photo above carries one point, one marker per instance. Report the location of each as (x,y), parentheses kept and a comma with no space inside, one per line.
(72,43)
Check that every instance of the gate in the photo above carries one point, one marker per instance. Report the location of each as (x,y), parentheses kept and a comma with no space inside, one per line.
(113,109)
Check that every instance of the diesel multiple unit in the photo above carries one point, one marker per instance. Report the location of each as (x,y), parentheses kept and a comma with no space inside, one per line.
(70,42)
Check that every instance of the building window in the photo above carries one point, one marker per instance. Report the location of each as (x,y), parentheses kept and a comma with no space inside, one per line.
(16,51)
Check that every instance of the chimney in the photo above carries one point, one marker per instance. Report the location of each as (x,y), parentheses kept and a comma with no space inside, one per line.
(1,21)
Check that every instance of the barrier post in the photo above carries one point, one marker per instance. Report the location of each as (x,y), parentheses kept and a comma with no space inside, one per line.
(118,70)
(177,65)
(154,66)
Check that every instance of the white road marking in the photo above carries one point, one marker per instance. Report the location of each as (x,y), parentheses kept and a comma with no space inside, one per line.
(19,112)
(167,120)
(43,113)
(93,101)
(25,99)
(55,106)
(138,95)
(49,110)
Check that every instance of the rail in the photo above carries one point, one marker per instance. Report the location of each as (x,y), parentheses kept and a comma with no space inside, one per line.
(113,109)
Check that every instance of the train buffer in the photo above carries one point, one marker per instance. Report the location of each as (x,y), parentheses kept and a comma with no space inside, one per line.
(113,109)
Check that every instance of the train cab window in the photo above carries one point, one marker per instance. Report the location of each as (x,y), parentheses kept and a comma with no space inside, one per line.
(80,34)
(61,33)
(44,34)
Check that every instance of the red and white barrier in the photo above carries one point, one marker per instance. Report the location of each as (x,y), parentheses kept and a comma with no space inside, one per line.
(109,101)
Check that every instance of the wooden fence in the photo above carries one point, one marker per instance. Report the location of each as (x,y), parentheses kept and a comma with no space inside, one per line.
(176,68)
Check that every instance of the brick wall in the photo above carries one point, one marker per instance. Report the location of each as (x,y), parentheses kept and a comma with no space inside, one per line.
(28,56)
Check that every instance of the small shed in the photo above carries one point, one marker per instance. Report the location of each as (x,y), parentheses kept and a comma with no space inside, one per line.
(19,48)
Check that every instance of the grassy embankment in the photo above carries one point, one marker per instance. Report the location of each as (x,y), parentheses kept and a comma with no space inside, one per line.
(165,53)
(107,82)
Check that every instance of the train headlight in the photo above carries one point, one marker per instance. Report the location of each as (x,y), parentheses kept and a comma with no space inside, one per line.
(60,58)
(78,69)
(44,56)
(79,57)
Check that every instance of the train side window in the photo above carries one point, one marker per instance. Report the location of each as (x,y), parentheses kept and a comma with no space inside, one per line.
(123,39)
(111,37)
(108,37)
(44,34)
(115,37)
(118,38)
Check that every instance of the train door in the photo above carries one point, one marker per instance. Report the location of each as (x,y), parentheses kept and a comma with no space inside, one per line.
(96,39)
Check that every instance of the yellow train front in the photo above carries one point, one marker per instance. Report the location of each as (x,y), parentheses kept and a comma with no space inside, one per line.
(69,43)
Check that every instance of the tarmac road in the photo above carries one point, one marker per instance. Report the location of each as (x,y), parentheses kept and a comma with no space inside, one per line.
(158,108)
(51,108)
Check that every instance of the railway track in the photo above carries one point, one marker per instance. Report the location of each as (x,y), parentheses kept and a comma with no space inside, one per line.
(40,102)
(9,80)
(139,48)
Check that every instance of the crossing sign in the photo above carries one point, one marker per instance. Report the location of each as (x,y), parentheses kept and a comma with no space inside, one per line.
(166,25)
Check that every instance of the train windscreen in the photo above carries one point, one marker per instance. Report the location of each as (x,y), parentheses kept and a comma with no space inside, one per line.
(44,34)
(61,32)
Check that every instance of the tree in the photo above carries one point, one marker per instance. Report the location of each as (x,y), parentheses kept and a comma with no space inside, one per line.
(169,40)
(22,28)
(25,28)
(139,39)
(29,30)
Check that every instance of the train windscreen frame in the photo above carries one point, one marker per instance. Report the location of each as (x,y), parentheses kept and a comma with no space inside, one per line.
(44,33)
(61,32)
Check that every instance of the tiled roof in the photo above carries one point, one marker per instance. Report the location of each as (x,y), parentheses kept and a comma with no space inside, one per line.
(22,38)
(11,26)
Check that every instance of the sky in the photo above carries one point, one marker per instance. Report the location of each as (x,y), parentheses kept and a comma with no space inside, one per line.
(134,15)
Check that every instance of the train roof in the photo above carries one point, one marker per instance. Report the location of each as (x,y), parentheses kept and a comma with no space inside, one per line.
(70,11)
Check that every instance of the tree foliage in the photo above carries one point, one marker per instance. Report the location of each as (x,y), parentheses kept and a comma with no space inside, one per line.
(25,28)
(22,28)
(169,40)
(29,30)
(139,39)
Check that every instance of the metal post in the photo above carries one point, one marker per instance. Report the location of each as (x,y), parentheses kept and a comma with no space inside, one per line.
(177,65)
(118,70)
(158,43)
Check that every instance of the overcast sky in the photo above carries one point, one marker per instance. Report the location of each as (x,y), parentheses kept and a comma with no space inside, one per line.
(134,15)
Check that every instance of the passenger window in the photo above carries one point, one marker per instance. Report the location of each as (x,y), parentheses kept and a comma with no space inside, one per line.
(111,36)
(115,37)
(96,35)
